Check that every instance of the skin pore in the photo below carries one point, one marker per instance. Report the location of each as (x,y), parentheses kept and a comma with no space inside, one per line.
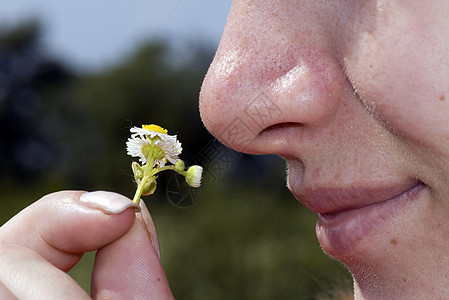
(363,93)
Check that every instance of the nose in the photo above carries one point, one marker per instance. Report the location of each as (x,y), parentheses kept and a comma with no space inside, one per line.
(275,67)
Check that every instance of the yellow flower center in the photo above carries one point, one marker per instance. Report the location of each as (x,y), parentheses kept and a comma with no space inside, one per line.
(155,128)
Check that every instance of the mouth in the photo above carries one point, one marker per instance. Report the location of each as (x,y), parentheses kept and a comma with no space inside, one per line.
(346,217)
(335,217)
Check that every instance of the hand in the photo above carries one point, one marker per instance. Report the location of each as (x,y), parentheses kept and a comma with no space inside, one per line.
(45,240)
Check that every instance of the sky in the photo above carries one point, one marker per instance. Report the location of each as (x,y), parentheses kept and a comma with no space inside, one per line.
(89,34)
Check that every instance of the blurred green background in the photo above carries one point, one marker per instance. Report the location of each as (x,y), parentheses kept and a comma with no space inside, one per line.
(241,236)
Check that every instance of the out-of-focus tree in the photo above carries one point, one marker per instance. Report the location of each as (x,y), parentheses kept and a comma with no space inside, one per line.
(27,147)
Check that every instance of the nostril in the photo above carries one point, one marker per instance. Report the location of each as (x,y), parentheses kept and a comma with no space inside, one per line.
(282,138)
(280,128)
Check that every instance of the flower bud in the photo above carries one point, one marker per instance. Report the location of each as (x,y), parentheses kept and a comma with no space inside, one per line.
(193,176)
(137,171)
(149,187)
(180,165)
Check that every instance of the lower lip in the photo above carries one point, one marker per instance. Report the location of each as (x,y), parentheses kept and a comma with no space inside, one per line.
(341,232)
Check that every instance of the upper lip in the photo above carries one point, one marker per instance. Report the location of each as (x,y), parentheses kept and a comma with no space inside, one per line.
(334,200)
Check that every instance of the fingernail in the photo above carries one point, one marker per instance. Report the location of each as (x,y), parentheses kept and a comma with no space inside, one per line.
(108,202)
(150,227)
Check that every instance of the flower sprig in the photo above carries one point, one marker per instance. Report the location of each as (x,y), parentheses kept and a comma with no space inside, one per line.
(155,148)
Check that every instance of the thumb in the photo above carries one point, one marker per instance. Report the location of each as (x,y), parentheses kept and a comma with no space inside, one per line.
(130,267)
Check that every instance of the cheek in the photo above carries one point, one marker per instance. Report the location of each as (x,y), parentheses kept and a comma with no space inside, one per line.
(400,68)
(410,103)
(407,90)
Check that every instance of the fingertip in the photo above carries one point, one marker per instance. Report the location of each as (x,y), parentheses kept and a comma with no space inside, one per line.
(108,202)
(61,227)
(88,220)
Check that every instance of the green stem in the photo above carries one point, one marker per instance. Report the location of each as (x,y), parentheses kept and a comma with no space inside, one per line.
(172,167)
(139,190)
(149,172)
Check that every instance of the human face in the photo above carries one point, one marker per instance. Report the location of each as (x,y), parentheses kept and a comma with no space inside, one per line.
(359,98)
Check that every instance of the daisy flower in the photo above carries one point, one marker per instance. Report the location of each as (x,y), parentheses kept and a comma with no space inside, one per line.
(152,143)
(154,148)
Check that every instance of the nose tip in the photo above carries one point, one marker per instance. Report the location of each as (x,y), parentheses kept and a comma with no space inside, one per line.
(239,128)
(238,104)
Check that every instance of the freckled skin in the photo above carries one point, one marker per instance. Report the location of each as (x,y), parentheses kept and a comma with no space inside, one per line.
(361,86)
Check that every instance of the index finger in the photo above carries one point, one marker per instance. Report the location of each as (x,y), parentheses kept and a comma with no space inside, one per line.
(62,226)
